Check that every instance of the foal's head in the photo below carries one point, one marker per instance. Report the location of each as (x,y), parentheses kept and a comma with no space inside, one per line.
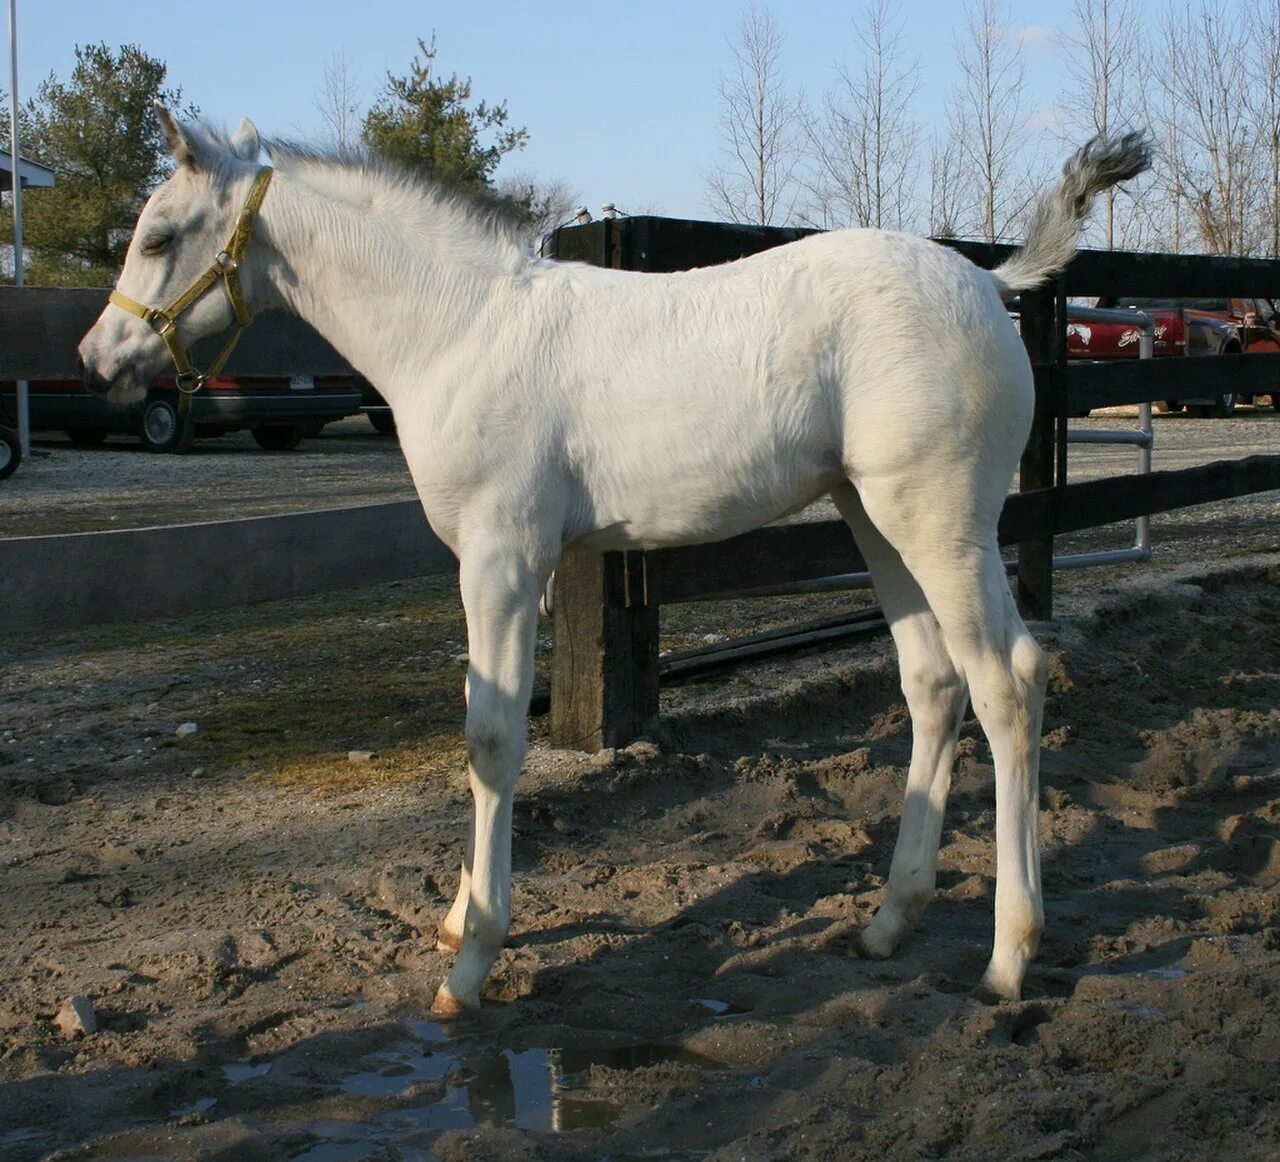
(182,229)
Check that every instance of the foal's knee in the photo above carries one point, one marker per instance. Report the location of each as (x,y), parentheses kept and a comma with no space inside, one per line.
(495,739)
(495,748)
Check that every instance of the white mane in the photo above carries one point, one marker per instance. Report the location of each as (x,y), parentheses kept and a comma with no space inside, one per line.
(417,209)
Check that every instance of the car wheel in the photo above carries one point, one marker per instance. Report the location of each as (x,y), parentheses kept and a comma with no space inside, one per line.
(87,437)
(10,453)
(162,429)
(1222,406)
(384,423)
(278,439)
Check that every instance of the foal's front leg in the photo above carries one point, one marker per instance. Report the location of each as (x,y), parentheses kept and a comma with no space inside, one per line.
(500,594)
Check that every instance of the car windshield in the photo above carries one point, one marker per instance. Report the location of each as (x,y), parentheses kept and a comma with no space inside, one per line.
(1167,304)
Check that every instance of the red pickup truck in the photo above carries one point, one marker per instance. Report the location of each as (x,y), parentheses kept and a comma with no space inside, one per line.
(1186,327)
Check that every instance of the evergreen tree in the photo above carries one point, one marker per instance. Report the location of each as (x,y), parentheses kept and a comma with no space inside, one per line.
(100,136)
(429,124)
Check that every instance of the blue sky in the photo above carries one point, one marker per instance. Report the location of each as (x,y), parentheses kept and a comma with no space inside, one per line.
(619,99)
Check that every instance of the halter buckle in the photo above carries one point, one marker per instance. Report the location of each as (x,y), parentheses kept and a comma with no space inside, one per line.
(225,262)
(159,322)
(190,382)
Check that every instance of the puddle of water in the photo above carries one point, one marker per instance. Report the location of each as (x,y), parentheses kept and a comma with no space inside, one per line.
(528,1089)
(1170,973)
(722,1008)
(400,1074)
(338,1152)
(430,1031)
(402,1094)
(201,1106)
(532,1089)
(237,1072)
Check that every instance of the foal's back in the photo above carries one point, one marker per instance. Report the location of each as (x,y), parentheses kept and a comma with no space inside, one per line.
(697,405)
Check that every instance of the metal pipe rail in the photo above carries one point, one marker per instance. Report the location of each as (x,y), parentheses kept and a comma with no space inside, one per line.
(1142,437)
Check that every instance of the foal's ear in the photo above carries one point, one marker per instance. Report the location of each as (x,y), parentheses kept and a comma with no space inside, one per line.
(245,143)
(179,146)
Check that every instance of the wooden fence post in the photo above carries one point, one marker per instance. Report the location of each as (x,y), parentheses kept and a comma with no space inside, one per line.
(604,669)
(1040,333)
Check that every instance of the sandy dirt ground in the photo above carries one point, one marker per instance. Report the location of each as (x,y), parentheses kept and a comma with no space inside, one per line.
(232,838)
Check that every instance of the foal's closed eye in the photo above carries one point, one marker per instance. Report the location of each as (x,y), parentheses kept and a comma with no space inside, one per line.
(155,243)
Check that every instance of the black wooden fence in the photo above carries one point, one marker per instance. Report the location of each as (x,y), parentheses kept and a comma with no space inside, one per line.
(605,671)
(604,690)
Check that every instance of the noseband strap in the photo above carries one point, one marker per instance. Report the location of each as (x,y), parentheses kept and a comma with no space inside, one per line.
(225,267)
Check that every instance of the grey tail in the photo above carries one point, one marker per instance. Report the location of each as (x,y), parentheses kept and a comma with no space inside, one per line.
(1054,236)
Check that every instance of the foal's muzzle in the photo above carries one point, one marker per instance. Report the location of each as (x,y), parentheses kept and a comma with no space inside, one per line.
(94,383)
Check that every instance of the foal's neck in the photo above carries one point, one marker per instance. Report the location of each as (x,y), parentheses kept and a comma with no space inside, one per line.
(393,279)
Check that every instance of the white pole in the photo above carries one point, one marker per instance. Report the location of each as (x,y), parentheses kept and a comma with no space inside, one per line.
(24,412)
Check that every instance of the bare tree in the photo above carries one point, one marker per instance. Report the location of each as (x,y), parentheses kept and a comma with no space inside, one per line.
(759,124)
(544,204)
(1102,54)
(339,103)
(1264,100)
(863,145)
(1216,174)
(945,187)
(987,114)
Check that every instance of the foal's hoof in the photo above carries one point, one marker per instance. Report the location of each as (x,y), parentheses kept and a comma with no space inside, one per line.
(872,946)
(880,939)
(992,990)
(986,995)
(447,1005)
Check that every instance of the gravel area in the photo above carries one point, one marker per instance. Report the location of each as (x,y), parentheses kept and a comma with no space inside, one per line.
(64,489)
(67,489)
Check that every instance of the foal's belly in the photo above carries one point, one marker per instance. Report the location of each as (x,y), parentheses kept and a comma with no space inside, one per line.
(685,512)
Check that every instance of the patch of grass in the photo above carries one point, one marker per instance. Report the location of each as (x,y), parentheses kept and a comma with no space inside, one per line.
(331,774)
(306,680)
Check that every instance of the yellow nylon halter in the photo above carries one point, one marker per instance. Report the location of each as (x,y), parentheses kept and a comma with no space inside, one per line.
(225,266)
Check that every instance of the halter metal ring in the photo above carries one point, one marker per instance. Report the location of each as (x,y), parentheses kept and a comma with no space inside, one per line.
(160,322)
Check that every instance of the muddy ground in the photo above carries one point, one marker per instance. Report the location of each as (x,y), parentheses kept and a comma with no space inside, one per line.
(249,906)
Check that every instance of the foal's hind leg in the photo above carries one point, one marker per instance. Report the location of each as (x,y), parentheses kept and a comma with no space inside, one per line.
(936,697)
(962,575)
(500,594)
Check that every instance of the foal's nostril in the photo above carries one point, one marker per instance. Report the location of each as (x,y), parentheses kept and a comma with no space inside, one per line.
(94,383)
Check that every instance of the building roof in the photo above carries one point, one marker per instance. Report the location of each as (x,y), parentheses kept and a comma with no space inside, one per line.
(32,173)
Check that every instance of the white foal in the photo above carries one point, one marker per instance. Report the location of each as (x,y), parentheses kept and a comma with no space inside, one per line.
(543,404)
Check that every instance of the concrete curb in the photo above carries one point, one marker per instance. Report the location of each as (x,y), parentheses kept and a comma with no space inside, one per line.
(79,579)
